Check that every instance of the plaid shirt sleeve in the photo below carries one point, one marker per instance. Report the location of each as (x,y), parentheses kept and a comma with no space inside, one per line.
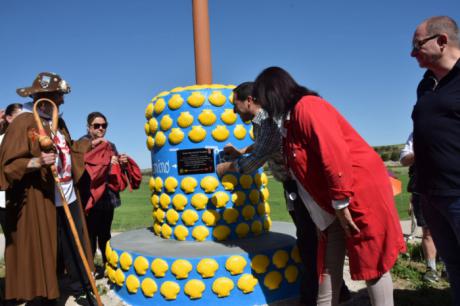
(267,142)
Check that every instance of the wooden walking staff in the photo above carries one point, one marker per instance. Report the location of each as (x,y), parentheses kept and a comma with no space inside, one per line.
(46,144)
(203,66)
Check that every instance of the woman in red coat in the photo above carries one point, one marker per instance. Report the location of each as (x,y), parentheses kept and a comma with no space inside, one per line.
(344,184)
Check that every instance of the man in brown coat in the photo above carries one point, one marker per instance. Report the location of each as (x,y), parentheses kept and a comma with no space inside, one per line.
(41,258)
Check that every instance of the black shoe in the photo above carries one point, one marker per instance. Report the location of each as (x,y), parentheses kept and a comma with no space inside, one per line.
(86,299)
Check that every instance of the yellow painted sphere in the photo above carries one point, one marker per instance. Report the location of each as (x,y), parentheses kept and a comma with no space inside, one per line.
(220,133)
(221,232)
(207,267)
(176,136)
(239,132)
(265,194)
(246,181)
(231,215)
(248,212)
(185,120)
(188,184)
(141,265)
(207,117)
(166,122)
(170,184)
(153,125)
(229,181)
(169,290)
(256,227)
(160,105)
(209,184)
(280,258)
(222,286)
(295,255)
(108,251)
(260,263)
(210,217)
(196,99)
(165,200)
(110,273)
(220,199)
(113,260)
(267,223)
(199,201)
(157,228)
(159,215)
(273,280)
(151,183)
(119,277)
(228,116)
(235,264)
(263,208)
(155,199)
(150,143)
(179,201)
(189,217)
(159,267)
(230,98)
(180,232)
(172,216)
(126,261)
(197,133)
(291,274)
(258,180)
(254,196)
(264,178)
(166,231)
(181,268)
(194,289)
(160,139)
(149,287)
(216,98)
(200,233)
(158,184)
(238,198)
(149,111)
(132,283)
(251,133)
(242,230)
(175,102)
(246,283)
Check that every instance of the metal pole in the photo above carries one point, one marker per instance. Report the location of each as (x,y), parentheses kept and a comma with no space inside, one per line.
(203,66)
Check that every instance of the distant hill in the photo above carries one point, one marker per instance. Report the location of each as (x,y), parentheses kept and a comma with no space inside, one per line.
(390,152)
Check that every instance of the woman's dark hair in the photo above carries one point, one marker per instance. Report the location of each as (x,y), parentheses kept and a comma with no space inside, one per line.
(277,92)
(9,111)
(244,90)
(93,116)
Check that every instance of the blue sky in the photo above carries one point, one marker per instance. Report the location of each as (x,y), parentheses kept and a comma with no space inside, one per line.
(117,55)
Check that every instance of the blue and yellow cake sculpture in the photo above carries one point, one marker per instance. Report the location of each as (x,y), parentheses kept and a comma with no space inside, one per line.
(210,241)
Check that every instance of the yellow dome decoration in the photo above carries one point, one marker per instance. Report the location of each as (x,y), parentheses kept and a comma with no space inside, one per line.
(150,143)
(209,184)
(181,268)
(220,133)
(265,194)
(185,120)
(157,228)
(256,227)
(217,98)
(166,231)
(235,264)
(295,255)
(189,217)
(165,200)
(108,251)
(263,208)
(246,283)
(194,289)
(220,199)
(159,267)
(166,122)
(238,198)
(207,267)
(197,133)
(230,215)
(254,196)
(132,283)
(141,265)
(229,181)
(264,178)
(119,277)
(175,102)
(258,180)
(113,258)
(280,258)
(160,105)
(207,117)
(169,290)
(153,125)
(199,201)
(181,232)
(228,116)
(230,97)
(149,287)
(248,212)
(179,201)
(126,261)
(176,136)
(200,233)
(260,263)
(172,216)
(222,286)
(160,139)
(239,132)
(147,128)
(221,232)
(170,184)
(246,181)
(273,280)
(291,273)
(149,111)
(210,217)
(151,183)
(242,230)
(188,184)
(267,223)
(196,99)
(251,133)
(158,184)
(110,273)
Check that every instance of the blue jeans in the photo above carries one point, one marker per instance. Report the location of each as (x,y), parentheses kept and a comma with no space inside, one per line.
(442,214)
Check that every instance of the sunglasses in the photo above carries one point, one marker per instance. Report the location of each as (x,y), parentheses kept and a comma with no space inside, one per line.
(97,126)
(417,45)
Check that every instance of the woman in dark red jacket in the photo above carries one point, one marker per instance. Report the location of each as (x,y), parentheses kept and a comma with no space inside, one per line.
(344,184)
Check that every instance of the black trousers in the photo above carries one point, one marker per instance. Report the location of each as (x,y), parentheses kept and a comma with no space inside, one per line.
(307,242)
(99,222)
(71,272)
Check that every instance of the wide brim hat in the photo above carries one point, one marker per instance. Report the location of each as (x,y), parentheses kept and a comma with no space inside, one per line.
(45,82)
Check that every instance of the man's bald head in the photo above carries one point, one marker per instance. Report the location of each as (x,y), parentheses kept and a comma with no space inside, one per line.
(443,24)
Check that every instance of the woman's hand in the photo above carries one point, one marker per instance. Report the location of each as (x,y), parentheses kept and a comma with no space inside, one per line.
(346,222)
(97,141)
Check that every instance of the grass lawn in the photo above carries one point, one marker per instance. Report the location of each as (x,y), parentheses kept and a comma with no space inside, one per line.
(136,210)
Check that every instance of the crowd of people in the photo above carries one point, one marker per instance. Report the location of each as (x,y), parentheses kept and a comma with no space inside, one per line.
(336,187)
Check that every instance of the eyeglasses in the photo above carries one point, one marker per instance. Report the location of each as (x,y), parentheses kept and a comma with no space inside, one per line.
(418,44)
(97,126)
